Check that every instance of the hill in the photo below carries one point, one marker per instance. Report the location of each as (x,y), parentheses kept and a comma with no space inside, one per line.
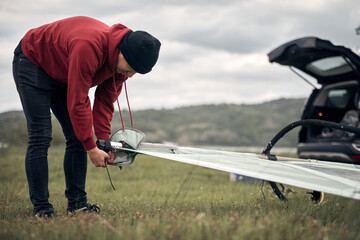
(221,125)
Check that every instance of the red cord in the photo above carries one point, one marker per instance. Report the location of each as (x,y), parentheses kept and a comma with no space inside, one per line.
(127,99)
(122,121)
(128,103)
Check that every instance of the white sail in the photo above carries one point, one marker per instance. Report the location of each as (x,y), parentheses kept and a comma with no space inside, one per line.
(335,178)
(330,177)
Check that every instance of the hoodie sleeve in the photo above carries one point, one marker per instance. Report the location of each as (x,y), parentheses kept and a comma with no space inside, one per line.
(105,95)
(83,63)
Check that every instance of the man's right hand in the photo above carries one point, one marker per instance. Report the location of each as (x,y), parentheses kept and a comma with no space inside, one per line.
(98,157)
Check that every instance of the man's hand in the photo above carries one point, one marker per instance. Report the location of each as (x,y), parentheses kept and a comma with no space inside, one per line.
(105,146)
(111,157)
(100,158)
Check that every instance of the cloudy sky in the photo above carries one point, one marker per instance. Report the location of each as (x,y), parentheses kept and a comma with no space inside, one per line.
(213,51)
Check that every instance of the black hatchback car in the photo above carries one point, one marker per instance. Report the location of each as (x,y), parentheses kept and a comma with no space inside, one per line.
(337,70)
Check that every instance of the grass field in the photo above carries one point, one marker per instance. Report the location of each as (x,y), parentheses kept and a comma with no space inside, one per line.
(160,199)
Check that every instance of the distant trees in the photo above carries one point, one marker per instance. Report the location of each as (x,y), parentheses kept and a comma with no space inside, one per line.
(223,124)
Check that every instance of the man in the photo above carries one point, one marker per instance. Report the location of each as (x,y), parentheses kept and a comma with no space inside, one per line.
(54,67)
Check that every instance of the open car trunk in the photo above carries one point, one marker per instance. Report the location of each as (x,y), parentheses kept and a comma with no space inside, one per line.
(336,69)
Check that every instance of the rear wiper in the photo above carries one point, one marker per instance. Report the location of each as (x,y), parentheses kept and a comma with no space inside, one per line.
(291,68)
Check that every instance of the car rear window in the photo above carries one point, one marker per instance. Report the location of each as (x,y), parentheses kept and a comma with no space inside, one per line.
(330,66)
(338,98)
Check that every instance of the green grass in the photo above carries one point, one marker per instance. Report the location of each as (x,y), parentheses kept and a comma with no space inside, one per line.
(160,199)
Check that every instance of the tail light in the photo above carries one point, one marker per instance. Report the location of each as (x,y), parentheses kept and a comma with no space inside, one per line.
(356,157)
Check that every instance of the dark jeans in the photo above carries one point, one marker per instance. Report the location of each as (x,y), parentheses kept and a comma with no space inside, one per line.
(39,94)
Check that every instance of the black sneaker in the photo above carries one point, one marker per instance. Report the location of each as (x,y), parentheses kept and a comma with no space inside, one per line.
(45,213)
(87,208)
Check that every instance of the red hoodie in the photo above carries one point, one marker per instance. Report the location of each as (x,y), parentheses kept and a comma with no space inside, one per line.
(81,52)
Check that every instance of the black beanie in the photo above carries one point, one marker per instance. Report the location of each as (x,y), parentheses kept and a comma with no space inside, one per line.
(140,50)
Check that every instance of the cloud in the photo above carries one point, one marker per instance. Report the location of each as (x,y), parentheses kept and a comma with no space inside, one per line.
(212,51)
(205,77)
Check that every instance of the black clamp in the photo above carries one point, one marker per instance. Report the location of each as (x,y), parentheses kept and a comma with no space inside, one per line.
(104,145)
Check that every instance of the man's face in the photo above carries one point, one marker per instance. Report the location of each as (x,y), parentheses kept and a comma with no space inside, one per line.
(123,67)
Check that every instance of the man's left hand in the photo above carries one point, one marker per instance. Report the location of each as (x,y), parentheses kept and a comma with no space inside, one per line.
(111,158)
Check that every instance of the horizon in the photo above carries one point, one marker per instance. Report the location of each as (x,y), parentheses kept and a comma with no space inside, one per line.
(186,106)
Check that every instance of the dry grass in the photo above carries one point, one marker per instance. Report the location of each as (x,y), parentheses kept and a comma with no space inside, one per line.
(160,199)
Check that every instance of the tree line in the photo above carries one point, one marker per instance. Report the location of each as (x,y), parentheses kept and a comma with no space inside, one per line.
(215,124)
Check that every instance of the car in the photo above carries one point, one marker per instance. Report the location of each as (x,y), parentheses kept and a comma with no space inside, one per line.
(337,72)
